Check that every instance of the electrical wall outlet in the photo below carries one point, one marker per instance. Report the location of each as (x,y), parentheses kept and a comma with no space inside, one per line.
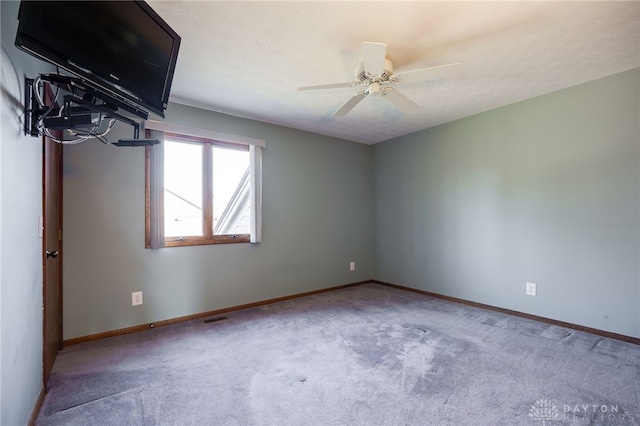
(531,289)
(136,298)
(352,266)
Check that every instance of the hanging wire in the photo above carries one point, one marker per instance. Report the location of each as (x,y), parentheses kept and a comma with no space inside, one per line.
(93,132)
(41,102)
(82,135)
(40,123)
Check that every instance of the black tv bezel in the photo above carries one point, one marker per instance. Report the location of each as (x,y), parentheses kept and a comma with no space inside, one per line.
(139,104)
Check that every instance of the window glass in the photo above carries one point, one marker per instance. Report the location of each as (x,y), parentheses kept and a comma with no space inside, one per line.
(231,209)
(183,183)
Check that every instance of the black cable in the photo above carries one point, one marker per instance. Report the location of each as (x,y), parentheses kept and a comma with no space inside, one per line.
(94,132)
(53,103)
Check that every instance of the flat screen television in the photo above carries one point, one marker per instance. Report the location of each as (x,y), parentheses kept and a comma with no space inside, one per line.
(123,49)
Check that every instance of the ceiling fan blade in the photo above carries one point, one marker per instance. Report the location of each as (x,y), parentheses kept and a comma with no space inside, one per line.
(349,105)
(426,74)
(405,104)
(373,56)
(325,86)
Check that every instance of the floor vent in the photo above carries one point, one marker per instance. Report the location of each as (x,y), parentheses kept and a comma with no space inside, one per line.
(216,319)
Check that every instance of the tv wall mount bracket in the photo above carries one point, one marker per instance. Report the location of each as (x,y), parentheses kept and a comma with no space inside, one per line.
(78,107)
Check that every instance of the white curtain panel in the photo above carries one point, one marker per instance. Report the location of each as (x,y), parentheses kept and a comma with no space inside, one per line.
(255,174)
(156,193)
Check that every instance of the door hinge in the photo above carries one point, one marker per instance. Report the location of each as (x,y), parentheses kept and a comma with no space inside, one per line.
(59,234)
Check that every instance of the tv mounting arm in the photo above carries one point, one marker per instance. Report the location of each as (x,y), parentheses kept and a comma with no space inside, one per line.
(76,111)
(108,112)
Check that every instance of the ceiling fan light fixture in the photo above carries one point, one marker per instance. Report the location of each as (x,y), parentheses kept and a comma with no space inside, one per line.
(374,89)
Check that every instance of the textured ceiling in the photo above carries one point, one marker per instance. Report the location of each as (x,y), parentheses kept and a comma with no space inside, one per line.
(248,58)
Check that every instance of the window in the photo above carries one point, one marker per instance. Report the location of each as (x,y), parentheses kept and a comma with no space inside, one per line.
(201,190)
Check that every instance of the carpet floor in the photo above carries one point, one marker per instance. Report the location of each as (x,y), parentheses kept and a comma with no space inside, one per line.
(364,355)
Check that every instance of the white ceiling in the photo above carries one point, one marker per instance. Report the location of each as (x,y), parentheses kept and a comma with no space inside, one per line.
(248,58)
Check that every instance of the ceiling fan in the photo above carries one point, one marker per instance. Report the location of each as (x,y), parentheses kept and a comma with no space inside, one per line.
(375,72)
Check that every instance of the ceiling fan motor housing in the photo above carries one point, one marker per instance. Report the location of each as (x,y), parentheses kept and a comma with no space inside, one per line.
(365,77)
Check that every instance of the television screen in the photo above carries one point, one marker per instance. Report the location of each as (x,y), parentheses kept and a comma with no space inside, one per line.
(123,48)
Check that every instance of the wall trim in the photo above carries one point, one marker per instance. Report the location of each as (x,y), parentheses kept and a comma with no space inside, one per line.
(603,333)
(36,408)
(164,323)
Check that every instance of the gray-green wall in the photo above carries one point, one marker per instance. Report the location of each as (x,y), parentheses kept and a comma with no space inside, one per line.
(20,247)
(317,203)
(544,191)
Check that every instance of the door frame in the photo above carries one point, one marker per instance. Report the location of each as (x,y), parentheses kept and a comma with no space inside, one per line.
(49,148)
